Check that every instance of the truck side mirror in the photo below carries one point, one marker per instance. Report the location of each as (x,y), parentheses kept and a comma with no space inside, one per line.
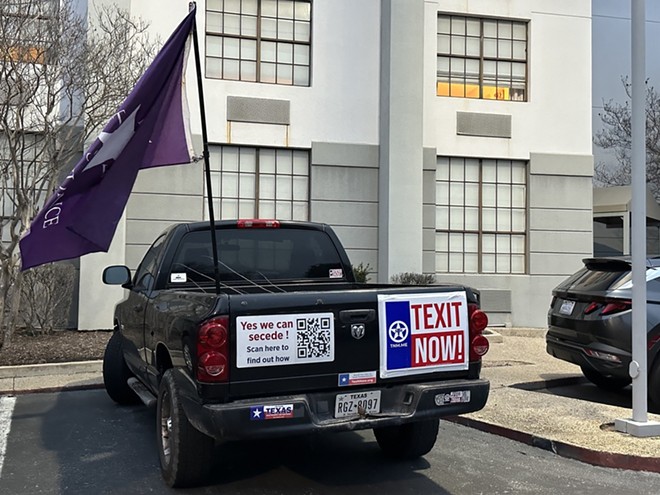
(117,275)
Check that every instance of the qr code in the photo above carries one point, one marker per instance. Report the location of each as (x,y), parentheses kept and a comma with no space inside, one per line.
(313,339)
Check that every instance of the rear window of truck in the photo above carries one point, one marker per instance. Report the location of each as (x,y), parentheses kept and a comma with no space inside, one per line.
(256,254)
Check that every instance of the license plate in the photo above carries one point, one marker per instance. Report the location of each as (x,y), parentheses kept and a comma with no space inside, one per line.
(356,403)
(566,307)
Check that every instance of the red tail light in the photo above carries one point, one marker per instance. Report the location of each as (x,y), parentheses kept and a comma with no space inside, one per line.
(258,223)
(213,350)
(616,307)
(653,341)
(591,308)
(479,344)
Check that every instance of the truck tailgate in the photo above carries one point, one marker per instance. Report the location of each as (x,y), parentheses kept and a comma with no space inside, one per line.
(301,341)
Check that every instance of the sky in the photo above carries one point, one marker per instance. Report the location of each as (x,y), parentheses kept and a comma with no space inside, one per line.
(611,55)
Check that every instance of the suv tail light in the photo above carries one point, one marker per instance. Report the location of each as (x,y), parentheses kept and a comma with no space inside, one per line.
(213,350)
(479,344)
(609,308)
(653,340)
(591,308)
(616,307)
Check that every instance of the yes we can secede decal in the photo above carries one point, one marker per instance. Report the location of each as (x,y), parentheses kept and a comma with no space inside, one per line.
(423,333)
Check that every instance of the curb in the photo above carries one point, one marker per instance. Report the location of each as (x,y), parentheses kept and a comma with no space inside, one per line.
(50,377)
(493,336)
(522,332)
(50,369)
(60,388)
(593,457)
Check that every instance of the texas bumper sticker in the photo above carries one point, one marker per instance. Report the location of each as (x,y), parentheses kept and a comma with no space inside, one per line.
(423,333)
(281,411)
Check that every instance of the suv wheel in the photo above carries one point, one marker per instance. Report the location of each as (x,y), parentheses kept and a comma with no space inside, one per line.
(606,382)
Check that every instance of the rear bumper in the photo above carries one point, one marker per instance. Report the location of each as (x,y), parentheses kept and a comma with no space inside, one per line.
(576,353)
(314,412)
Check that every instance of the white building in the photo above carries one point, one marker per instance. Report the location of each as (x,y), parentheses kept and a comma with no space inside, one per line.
(446,137)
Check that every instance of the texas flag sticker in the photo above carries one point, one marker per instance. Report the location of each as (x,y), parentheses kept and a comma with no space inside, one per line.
(423,333)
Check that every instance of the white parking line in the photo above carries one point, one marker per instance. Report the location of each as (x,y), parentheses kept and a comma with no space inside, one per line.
(6,411)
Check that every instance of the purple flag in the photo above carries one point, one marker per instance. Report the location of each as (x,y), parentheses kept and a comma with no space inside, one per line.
(150,129)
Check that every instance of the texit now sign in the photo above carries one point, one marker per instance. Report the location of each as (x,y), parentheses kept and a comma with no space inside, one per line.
(423,333)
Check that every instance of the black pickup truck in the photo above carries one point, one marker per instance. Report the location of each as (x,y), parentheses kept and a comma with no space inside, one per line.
(279,339)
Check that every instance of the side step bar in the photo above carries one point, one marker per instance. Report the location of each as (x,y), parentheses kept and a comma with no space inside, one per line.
(142,392)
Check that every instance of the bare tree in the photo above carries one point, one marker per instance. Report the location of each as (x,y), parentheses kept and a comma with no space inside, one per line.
(616,136)
(46,296)
(62,76)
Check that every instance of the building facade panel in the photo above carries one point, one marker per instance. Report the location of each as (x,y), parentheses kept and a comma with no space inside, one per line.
(560,219)
(358,237)
(345,213)
(345,154)
(179,180)
(164,207)
(344,183)
(144,232)
(560,241)
(558,164)
(558,264)
(551,191)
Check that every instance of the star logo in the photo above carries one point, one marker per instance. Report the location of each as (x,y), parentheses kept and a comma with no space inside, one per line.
(398,331)
(257,413)
(343,379)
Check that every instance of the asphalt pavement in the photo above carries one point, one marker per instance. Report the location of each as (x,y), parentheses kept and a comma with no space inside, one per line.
(528,401)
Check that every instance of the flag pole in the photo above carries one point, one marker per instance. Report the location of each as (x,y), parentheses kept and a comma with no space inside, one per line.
(205,144)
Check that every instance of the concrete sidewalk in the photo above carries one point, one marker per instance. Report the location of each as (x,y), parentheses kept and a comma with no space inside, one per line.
(519,406)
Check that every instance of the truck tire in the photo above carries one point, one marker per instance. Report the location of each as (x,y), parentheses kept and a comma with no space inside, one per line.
(408,441)
(116,373)
(185,452)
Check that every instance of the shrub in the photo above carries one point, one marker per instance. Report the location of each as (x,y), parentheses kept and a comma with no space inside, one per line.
(361,272)
(409,278)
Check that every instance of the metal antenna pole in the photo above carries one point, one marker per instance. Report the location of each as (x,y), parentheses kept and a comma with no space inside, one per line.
(205,144)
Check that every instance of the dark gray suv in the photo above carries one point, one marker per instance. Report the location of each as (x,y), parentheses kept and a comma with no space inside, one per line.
(590,323)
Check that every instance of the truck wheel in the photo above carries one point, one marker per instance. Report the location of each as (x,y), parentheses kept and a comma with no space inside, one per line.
(185,452)
(116,373)
(606,382)
(408,441)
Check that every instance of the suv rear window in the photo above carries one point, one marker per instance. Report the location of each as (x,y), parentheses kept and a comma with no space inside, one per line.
(257,254)
(604,274)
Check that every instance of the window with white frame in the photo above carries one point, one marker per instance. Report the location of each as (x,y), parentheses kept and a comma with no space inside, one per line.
(28,27)
(266,41)
(481,215)
(253,182)
(482,58)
